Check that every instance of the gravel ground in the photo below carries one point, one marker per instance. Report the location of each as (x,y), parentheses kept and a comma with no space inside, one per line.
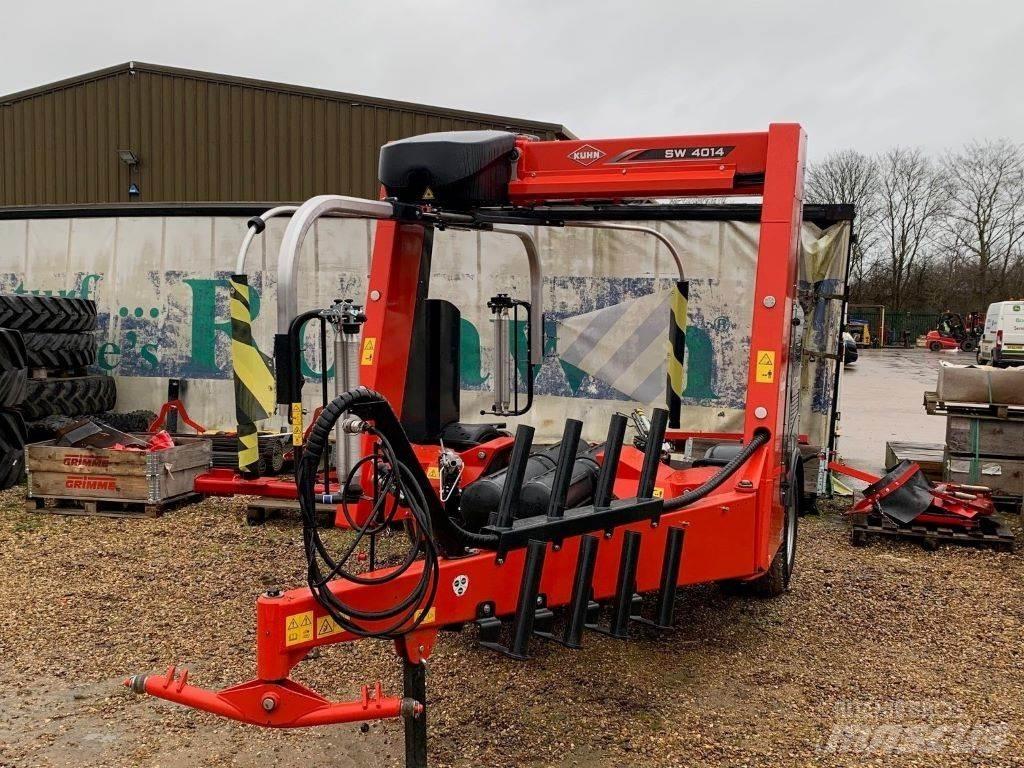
(85,601)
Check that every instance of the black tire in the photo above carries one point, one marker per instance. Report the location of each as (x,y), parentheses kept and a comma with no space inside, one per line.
(935,346)
(775,581)
(968,345)
(46,429)
(75,396)
(12,449)
(46,314)
(131,421)
(12,369)
(60,350)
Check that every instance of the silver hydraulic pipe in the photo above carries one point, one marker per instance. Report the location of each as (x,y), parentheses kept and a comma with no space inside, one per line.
(346,377)
(251,232)
(291,244)
(502,388)
(536,295)
(634,228)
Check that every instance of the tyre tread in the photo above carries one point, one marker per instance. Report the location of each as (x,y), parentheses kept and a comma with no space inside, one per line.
(74,396)
(23,312)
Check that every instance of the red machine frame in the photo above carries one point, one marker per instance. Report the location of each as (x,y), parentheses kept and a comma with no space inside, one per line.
(733,533)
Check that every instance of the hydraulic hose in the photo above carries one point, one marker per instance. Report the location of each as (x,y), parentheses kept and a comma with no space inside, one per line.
(760,437)
(395,480)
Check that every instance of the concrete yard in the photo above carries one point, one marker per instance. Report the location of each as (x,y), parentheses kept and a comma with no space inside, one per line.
(881,400)
(885,640)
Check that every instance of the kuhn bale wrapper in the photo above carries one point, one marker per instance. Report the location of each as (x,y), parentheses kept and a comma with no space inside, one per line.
(550,541)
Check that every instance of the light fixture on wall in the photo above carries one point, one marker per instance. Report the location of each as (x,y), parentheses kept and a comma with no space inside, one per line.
(129,158)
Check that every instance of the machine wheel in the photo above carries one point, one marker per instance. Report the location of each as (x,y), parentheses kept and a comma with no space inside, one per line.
(75,396)
(60,350)
(934,346)
(977,357)
(12,449)
(775,581)
(48,314)
(12,369)
(968,345)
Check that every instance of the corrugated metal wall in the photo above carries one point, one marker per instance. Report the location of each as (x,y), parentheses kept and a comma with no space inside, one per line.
(201,138)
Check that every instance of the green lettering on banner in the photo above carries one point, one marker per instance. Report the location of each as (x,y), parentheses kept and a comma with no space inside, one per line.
(205,325)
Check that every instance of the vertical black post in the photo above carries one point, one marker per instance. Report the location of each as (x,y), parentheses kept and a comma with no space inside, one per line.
(563,469)
(414,685)
(173,393)
(526,608)
(625,588)
(610,462)
(669,577)
(652,454)
(325,399)
(581,585)
(676,376)
(508,504)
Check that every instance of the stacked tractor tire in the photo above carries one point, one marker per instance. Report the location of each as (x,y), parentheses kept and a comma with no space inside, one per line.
(47,346)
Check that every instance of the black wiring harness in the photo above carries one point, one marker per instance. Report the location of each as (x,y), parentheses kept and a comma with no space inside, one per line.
(395,486)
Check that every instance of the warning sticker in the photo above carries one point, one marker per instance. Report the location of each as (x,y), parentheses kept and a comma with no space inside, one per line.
(298,628)
(296,423)
(433,473)
(326,626)
(659,493)
(765,372)
(369,350)
(428,615)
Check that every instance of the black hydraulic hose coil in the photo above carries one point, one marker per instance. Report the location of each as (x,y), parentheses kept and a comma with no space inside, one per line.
(760,438)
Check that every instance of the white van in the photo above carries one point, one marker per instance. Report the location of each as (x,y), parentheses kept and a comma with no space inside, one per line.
(1002,343)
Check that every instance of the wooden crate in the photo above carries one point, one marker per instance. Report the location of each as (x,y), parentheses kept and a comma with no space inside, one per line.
(928,456)
(1004,476)
(984,436)
(99,474)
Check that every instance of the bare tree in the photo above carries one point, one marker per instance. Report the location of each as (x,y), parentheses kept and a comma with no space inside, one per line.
(852,178)
(985,224)
(914,196)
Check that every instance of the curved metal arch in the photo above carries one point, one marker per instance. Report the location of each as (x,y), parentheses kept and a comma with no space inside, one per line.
(634,228)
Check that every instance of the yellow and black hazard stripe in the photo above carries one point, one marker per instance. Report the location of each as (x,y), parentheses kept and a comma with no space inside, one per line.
(676,378)
(253,375)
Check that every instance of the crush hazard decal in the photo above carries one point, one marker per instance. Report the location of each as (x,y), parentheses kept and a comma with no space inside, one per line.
(671,154)
(460,584)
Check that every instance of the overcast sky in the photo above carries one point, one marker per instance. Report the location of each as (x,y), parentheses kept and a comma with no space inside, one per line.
(856,74)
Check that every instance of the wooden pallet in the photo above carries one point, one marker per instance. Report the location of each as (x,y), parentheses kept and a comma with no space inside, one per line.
(68,505)
(933,406)
(258,512)
(989,533)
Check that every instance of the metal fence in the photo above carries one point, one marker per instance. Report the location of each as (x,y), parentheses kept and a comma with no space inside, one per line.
(898,328)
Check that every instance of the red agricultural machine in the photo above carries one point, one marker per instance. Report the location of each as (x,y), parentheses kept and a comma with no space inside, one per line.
(904,504)
(526,544)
